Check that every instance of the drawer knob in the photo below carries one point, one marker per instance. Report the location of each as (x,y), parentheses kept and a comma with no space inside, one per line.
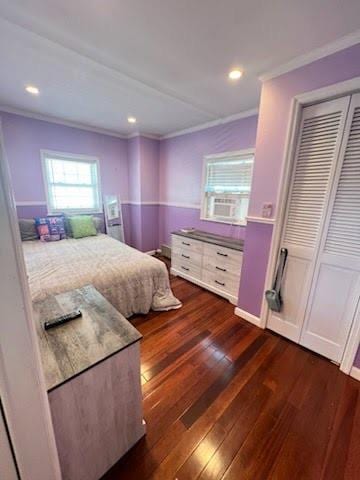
(184,268)
(187,244)
(222,254)
(185,256)
(220,283)
(221,269)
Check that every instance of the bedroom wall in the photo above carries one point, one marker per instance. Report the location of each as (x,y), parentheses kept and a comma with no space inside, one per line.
(274,113)
(24,138)
(143,159)
(181,161)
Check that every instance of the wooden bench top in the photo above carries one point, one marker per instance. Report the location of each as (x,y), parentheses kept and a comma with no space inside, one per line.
(76,346)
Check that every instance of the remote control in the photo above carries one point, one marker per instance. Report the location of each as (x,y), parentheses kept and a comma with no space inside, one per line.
(63,319)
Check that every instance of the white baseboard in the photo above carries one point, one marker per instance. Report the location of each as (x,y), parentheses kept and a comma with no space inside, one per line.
(247,316)
(152,252)
(355,373)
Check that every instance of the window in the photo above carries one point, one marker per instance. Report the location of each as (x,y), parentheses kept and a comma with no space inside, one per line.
(226,186)
(72,182)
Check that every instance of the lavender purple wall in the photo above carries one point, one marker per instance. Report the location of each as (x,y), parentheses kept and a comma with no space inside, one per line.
(274,113)
(143,159)
(149,180)
(25,137)
(143,171)
(276,96)
(133,155)
(181,161)
(253,271)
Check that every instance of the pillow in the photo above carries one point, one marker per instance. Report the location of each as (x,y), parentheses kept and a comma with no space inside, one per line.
(98,222)
(50,229)
(82,226)
(28,229)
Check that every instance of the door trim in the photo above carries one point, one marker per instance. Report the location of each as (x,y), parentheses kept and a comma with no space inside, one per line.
(22,385)
(297,104)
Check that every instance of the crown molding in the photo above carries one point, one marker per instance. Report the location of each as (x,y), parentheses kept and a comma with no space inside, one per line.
(68,123)
(80,126)
(59,121)
(213,123)
(321,52)
(145,135)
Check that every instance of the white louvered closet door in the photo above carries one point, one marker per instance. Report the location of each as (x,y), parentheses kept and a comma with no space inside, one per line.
(335,291)
(320,134)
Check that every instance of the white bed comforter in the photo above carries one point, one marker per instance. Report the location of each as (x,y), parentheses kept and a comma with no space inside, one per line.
(132,281)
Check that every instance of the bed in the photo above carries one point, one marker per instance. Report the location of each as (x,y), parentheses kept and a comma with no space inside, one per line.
(132,281)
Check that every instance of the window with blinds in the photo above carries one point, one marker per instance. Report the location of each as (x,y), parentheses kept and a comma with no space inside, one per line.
(72,183)
(226,186)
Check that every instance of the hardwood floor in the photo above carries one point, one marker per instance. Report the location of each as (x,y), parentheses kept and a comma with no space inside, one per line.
(226,400)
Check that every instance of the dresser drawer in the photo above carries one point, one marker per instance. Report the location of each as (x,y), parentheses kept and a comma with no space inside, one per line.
(187,244)
(219,267)
(186,267)
(226,282)
(223,254)
(183,255)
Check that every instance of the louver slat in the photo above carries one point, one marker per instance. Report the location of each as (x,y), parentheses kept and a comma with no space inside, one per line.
(315,156)
(343,236)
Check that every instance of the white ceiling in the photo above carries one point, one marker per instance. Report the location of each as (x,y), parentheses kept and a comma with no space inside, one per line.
(164,61)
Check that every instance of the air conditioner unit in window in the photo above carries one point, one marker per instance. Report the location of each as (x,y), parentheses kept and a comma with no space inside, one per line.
(225,207)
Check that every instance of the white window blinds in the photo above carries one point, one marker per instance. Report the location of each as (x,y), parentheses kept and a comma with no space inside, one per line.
(229,176)
(226,186)
(72,183)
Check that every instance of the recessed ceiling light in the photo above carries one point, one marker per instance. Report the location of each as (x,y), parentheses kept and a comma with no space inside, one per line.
(235,74)
(131,119)
(33,90)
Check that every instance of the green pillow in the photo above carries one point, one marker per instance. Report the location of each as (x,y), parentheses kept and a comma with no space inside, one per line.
(82,226)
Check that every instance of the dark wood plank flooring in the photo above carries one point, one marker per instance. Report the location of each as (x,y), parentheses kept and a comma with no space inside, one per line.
(226,400)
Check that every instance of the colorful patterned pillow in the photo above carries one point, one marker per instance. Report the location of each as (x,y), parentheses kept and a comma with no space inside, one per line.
(82,226)
(50,229)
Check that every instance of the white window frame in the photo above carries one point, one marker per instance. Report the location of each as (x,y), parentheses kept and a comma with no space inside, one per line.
(214,157)
(45,154)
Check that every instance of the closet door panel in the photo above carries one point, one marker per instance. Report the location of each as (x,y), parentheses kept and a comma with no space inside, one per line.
(335,292)
(294,283)
(320,134)
(334,298)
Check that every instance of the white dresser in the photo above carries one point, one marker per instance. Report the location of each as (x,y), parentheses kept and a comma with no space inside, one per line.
(211,261)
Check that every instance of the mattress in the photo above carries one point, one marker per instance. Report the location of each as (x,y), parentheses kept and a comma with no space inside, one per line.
(132,281)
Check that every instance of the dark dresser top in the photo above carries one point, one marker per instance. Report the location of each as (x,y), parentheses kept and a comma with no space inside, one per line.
(228,242)
(74,347)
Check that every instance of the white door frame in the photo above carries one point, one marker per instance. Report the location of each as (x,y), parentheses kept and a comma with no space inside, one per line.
(7,460)
(22,385)
(298,103)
